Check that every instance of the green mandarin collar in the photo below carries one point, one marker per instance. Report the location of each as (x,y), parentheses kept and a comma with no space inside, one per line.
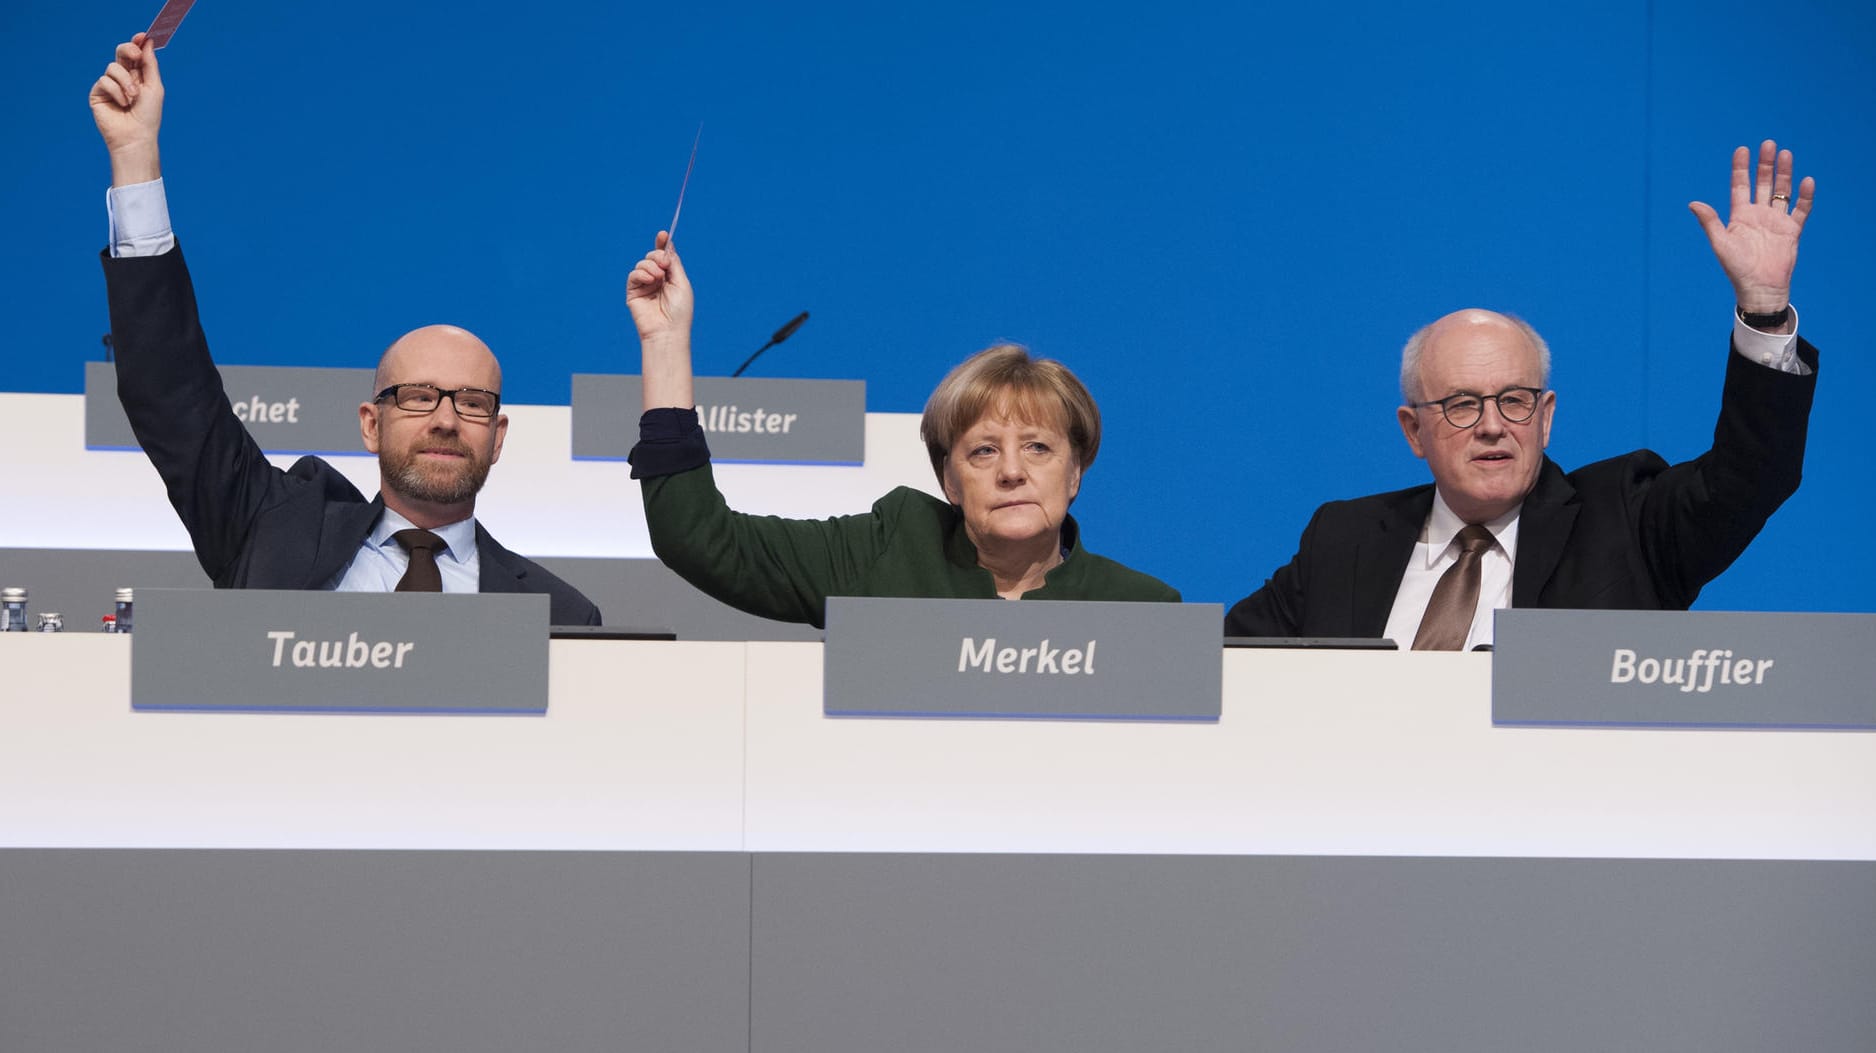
(963,554)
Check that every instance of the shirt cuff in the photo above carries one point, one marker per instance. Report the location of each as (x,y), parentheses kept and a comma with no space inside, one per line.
(670,441)
(139,215)
(1772,350)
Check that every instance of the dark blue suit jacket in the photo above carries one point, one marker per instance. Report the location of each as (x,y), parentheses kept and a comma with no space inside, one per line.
(253,525)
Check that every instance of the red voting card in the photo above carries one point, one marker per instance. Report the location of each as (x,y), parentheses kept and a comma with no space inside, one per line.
(166,22)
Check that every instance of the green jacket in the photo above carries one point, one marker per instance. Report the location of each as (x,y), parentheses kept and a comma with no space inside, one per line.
(910,544)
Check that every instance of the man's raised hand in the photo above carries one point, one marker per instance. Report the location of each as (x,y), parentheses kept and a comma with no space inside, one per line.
(127,104)
(1758,244)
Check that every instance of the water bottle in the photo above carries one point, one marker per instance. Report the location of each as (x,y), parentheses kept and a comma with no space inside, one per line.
(124,597)
(12,610)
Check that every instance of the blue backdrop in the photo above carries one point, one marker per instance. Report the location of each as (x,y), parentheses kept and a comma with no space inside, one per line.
(1226,221)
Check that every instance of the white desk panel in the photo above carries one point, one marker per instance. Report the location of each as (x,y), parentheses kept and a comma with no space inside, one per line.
(1318,753)
(538,500)
(641,748)
(722,746)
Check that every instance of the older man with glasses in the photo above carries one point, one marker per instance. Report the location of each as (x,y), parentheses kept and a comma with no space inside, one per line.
(1503,526)
(436,422)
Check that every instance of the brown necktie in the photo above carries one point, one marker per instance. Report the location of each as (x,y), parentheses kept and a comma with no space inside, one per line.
(1448,619)
(423,575)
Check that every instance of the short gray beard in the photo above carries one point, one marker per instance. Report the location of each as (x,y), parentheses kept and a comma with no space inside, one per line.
(407,477)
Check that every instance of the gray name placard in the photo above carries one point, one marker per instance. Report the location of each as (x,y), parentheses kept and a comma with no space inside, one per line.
(1695,669)
(1036,660)
(288,409)
(774,421)
(349,652)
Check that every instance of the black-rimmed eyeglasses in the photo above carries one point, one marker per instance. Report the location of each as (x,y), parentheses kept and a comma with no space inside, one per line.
(473,403)
(1463,410)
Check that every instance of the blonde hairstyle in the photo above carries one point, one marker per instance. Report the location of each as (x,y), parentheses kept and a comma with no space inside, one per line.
(1007,380)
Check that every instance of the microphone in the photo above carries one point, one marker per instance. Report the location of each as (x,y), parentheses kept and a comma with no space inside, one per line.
(109,349)
(780,335)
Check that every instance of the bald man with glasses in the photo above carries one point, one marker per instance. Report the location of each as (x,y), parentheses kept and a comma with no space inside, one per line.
(1502,525)
(435,423)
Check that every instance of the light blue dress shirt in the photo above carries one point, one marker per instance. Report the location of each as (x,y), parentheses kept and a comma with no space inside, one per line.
(381,561)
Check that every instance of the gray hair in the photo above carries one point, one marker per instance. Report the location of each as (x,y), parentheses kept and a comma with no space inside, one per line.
(1410,392)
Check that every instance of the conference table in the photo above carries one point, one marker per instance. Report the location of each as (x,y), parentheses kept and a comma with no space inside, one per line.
(684,852)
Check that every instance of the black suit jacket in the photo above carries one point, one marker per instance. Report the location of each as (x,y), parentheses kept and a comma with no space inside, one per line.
(1629,533)
(253,525)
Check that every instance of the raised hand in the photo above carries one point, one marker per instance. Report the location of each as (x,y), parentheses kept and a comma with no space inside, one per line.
(127,104)
(1758,244)
(660,298)
(659,294)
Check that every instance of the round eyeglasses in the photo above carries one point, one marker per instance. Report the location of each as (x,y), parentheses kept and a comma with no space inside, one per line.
(1516,405)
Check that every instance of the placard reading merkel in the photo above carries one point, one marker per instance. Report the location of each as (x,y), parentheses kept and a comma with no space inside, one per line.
(1024,660)
(1694,669)
(347,652)
(288,409)
(783,421)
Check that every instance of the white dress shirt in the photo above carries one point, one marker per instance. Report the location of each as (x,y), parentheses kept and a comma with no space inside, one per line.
(1434,553)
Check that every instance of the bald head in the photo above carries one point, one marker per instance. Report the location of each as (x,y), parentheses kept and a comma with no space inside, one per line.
(422,356)
(432,459)
(1474,331)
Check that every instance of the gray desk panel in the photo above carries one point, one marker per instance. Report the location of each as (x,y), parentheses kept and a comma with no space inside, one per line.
(415,951)
(231,952)
(919,953)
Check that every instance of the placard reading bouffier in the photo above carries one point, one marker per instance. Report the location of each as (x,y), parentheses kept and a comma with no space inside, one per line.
(1699,669)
